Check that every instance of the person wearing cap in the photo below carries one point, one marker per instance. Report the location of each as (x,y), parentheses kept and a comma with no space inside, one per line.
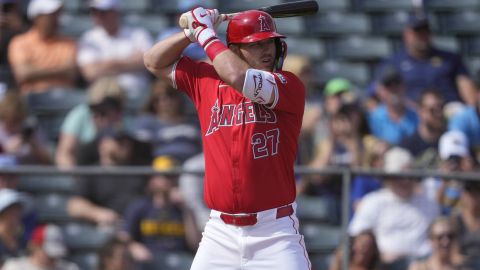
(398,215)
(11,206)
(104,109)
(47,250)
(161,221)
(41,58)
(423,66)
(113,49)
(392,120)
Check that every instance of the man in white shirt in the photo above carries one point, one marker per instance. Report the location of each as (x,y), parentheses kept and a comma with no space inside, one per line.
(398,214)
(112,49)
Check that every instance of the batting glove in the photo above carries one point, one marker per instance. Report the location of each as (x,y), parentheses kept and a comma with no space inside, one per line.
(202,24)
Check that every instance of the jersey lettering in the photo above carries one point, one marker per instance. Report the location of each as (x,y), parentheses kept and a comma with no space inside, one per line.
(226,118)
(213,119)
(264,145)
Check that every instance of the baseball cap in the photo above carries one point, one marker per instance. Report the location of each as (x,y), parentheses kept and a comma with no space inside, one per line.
(50,238)
(9,197)
(417,20)
(390,76)
(43,7)
(397,159)
(337,85)
(453,143)
(103,4)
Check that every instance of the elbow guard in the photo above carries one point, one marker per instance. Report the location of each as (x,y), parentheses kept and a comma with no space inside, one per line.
(259,86)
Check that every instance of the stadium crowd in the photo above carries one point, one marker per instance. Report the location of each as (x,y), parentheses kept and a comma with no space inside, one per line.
(421,110)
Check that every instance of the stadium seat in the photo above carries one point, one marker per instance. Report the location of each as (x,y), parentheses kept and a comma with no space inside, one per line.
(85,260)
(139,6)
(52,207)
(360,48)
(152,23)
(320,261)
(448,5)
(75,25)
(382,5)
(312,48)
(72,6)
(461,23)
(473,46)
(321,238)
(337,23)
(177,7)
(293,26)
(392,23)
(240,5)
(170,261)
(449,43)
(84,237)
(356,72)
(37,184)
(316,209)
(328,5)
(473,65)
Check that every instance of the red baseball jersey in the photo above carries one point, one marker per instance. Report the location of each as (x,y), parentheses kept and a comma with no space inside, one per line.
(250,149)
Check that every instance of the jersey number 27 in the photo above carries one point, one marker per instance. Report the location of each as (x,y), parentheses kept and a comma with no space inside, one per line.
(265,144)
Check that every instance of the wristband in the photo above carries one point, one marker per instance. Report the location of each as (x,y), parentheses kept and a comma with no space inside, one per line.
(214,47)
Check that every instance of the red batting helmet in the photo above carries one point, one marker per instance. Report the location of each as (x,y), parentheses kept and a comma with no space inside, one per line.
(251,26)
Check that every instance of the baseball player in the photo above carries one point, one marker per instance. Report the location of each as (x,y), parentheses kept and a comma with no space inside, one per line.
(250,113)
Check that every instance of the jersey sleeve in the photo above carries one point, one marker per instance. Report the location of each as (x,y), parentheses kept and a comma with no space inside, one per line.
(291,93)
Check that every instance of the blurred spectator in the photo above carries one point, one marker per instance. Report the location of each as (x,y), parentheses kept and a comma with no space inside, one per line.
(11,24)
(364,254)
(191,186)
(469,222)
(301,66)
(112,49)
(20,136)
(397,215)
(468,122)
(40,58)
(166,126)
(455,157)
(443,238)
(162,221)
(10,225)
(423,144)
(83,123)
(47,250)
(103,198)
(392,121)
(423,66)
(114,255)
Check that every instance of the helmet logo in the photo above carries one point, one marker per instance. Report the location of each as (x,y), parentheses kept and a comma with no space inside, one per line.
(264,27)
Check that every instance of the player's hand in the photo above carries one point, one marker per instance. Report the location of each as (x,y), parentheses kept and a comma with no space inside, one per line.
(202,24)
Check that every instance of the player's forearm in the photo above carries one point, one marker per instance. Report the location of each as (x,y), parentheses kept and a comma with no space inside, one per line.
(231,69)
(165,52)
(26,73)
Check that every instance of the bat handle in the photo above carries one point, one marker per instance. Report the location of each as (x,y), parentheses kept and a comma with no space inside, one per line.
(183,21)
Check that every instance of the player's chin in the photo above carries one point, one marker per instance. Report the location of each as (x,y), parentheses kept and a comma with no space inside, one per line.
(266,66)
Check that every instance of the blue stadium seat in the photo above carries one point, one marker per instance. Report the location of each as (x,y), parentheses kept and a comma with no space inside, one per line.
(75,25)
(85,260)
(328,5)
(84,237)
(316,209)
(139,6)
(320,237)
(312,48)
(392,23)
(449,43)
(241,5)
(47,184)
(361,48)
(291,26)
(152,23)
(52,207)
(461,23)
(448,5)
(382,5)
(337,23)
(356,72)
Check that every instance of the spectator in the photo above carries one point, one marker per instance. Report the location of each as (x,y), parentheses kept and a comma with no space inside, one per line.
(392,121)
(83,123)
(423,144)
(191,186)
(114,255)
(422,66)
(41,58)
(468,220)
(11,24)
(112,49)
(455,157)
(47,250)
(20,136)
(162,221)
(468,122)
(103,198)
(397,215)
(166,126)
(364,254)
(10,222)
(443,238)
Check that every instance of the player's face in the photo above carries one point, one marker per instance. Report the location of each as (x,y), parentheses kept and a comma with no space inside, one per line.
(260,54)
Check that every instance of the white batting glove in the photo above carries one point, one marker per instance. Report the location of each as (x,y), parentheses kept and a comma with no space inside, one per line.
(202,24)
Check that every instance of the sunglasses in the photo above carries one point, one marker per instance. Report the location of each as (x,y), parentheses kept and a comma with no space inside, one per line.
(449,236)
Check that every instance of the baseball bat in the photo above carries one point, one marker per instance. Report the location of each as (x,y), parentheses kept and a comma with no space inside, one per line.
(291,9)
